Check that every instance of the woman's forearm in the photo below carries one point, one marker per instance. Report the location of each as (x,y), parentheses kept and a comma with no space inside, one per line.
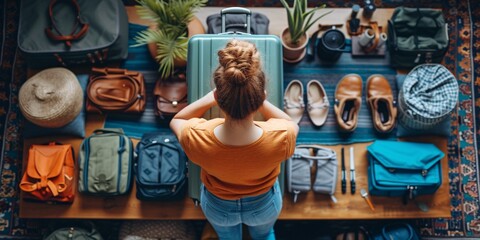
(269,110)
(197,108)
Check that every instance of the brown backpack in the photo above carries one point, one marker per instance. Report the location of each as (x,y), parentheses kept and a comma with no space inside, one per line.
(50,173)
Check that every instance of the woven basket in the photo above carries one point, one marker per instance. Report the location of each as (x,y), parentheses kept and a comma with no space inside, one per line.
(428,95)
(161,229)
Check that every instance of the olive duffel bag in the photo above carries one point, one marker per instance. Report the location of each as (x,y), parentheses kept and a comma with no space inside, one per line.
(416,36)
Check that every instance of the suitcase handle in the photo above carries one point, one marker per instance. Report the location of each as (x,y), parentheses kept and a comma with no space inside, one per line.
(236,10)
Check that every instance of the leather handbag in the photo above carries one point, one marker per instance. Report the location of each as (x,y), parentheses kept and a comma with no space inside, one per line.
(394,171)
(71,32)
(116,90)
(170,96)
(50,173)
(417,35)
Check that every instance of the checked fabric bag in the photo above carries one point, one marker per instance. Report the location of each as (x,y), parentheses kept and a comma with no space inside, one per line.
(428,95)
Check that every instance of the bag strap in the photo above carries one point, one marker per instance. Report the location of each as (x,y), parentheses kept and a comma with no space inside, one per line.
(74,35)
(114,71)
(322,152)
(420,16)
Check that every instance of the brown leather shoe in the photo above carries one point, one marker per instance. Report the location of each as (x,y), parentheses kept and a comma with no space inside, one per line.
(381,103)
(317,103)
(348,98)
(293,100)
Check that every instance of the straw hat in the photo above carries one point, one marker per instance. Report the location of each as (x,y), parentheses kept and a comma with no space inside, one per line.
(51,98)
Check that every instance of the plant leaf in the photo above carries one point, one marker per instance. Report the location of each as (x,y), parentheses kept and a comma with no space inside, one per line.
(314,21)
(171,17)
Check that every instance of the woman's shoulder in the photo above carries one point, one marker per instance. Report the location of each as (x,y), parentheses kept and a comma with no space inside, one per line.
(274,124)
(202,123)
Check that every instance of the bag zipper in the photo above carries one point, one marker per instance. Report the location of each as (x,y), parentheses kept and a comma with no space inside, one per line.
(85,165)
(120,151)
(410,194)
(411,190)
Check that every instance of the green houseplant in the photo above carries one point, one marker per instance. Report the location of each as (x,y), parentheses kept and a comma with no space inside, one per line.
(295,37)
(168,38)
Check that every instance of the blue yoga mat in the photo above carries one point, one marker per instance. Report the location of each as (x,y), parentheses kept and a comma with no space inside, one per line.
(329,74)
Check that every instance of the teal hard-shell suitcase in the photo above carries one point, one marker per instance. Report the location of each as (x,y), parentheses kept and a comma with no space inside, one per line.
(202,62)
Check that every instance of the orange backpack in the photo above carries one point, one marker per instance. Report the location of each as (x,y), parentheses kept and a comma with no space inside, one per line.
(50,173)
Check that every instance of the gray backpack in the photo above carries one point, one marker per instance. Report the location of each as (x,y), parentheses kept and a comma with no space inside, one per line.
(298,171)
(106,163)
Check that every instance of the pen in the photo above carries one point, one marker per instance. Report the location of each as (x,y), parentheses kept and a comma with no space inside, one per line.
(352,172)
(344,177)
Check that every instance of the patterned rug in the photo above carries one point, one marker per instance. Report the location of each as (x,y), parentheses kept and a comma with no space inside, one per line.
(463,59)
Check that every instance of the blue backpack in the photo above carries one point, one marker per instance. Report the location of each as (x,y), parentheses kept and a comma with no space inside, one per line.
(161,167)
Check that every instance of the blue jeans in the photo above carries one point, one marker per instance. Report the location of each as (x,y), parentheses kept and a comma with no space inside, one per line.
(259,213)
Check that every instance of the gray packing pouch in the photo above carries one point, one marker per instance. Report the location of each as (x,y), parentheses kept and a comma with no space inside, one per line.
(298,172)
(326,174)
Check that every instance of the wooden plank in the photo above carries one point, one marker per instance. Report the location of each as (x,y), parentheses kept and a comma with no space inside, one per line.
(308,206)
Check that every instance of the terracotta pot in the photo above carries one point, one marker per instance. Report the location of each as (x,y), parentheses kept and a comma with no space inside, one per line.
(293,53)
(194,27)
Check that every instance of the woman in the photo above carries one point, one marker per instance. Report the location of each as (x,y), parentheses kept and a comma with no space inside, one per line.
(240,158)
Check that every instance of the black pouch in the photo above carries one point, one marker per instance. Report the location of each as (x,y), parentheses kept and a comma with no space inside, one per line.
(237,22)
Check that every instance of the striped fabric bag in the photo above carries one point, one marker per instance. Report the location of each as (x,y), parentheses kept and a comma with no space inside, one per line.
(427,97)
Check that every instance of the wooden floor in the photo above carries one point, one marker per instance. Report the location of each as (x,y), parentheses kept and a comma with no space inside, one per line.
(308,206)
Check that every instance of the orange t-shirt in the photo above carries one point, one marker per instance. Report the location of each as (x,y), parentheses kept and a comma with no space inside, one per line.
(233,172)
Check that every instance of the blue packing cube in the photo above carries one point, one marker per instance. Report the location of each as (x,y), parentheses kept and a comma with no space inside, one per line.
(403,168)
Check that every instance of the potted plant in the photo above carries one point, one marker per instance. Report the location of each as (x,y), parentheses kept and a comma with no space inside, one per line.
(173,23)
(295,37)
